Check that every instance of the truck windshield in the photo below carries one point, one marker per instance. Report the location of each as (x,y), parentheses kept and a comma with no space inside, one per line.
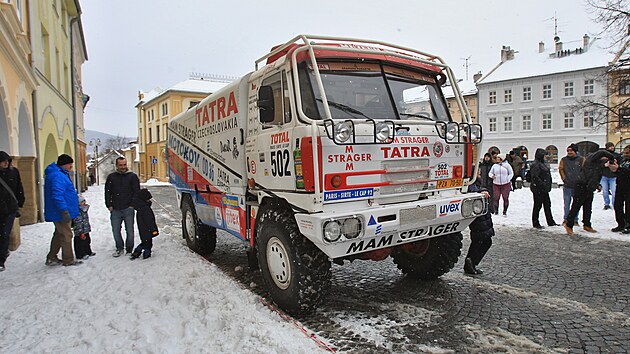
(359,90)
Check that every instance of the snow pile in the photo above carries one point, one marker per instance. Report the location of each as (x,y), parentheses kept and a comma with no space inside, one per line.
(173,302)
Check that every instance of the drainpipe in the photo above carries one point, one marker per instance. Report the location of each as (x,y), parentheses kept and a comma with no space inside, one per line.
(74,107)
(39,188)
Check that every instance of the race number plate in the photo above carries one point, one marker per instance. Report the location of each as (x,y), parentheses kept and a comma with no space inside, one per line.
(450,183)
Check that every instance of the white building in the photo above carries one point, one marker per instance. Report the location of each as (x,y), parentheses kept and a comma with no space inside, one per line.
(529,99)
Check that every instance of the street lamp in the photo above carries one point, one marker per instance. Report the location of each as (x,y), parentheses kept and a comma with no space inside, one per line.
(95,143)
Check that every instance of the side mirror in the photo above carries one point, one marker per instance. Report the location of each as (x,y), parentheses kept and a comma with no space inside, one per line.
(266,104)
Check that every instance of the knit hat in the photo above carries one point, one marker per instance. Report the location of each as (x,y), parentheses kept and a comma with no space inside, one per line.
(144,194)
(573,147)
(64,159)
(81,199)
(4,156)
(609,144)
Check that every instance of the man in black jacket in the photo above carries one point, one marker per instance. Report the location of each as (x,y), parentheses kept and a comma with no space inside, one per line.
(120,189)
(540,177)
(11,200)
(622,195)
(587,182)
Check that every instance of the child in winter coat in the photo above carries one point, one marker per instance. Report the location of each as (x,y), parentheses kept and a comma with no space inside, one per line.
(481,232)
(146,223)
(81,226)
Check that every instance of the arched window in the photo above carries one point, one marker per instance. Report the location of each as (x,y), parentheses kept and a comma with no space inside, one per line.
(552,154)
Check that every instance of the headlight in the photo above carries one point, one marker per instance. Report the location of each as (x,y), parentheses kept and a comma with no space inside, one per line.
(351,227)
(343,131)
(467,208)
(382,132)
(451,132)
(478,206)
(475,133)
(332,231)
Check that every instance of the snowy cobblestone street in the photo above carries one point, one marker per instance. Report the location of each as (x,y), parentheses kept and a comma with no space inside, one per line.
(541,292)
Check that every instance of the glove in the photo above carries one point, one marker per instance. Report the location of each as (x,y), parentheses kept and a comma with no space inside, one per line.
(82,236)
(65,216)
(18,213)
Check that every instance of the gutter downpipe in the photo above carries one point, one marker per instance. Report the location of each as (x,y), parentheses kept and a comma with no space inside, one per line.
(39,195)
(74,107)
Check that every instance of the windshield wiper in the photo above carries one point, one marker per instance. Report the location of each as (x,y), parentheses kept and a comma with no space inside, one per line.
(344,108)
(416,115)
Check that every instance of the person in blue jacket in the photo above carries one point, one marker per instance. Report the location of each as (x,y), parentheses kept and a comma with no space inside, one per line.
(61,205)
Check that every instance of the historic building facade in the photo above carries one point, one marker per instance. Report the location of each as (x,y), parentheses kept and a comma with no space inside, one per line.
(535,100)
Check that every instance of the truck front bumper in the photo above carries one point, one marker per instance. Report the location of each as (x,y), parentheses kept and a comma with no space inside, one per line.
(392,225)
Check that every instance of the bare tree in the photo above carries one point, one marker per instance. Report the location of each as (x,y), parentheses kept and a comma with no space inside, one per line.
(116,143)
(614,17)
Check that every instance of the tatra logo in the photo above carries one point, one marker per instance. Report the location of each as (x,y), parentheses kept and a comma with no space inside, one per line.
(404,151)
(438,149)
(215,110)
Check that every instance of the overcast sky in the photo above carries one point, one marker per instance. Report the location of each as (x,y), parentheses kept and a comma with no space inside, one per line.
(143,44)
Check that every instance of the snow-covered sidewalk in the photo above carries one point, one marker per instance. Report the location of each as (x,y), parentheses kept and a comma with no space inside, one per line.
(520,215)
(173,302)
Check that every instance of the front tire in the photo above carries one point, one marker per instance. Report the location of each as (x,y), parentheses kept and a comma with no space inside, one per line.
(296,272)
(199,237)
(423,261)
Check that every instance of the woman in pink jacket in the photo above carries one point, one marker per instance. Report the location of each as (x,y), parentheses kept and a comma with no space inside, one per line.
(501,174)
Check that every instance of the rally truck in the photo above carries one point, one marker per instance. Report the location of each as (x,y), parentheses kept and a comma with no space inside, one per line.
(331,150)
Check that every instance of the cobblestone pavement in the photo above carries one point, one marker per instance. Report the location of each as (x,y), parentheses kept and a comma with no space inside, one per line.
(540,292)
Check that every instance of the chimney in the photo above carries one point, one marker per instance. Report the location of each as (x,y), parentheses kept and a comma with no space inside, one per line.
(541,47)
(140,95)
(506,54)
(558,44)
(477,76)
(585,41)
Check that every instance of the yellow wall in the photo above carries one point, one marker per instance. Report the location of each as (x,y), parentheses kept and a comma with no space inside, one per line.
(151,146)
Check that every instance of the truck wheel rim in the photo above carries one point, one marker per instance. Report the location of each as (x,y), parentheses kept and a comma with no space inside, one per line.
(190,226)
(278,263)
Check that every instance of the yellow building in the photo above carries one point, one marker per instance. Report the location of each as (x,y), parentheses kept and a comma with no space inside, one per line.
(17,83)
(155,109)
(52,27)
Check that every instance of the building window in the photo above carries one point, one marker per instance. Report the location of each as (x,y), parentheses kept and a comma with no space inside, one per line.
(150,137)
(193,103)
(568,89)
(507,95)
(527,123)
(492,124)
(552,154)
(492,98)
(624,87)
(164,109)
(527,93)
(507,124)
(568,120)
(546,91)
(624,116)
(589,119)
(546,121)
(589,87)
(157,133)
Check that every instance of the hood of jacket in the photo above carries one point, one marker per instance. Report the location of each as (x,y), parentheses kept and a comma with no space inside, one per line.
(52,168)
(540,155)
(138,203)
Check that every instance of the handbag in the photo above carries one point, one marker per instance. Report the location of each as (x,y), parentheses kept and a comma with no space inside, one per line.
(14,238)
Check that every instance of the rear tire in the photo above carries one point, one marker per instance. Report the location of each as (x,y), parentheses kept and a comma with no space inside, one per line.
(296,272)
(199,237)
(428,263)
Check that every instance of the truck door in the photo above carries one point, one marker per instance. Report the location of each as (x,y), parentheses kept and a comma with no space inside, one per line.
(275,148)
